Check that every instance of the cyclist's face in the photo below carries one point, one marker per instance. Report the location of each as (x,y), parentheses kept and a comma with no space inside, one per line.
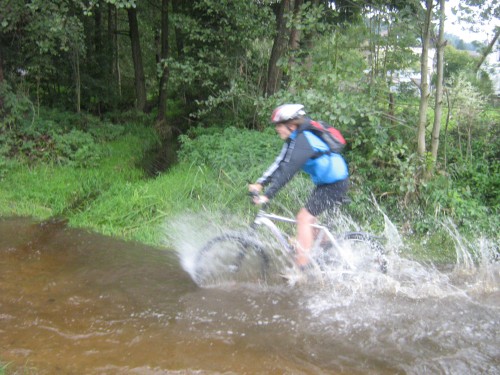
(284,130)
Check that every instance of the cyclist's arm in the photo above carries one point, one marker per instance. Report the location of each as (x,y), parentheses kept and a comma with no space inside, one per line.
(299,151)
(268,174)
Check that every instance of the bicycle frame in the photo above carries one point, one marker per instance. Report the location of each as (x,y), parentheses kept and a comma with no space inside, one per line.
(267,219)
(248,244)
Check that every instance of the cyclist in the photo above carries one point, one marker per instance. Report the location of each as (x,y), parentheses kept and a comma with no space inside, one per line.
(306,151)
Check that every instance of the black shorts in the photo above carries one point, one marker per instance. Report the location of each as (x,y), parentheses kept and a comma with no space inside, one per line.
(325,197)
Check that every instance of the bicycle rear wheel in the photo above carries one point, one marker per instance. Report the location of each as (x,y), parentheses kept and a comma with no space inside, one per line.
(231,257)
(361,251)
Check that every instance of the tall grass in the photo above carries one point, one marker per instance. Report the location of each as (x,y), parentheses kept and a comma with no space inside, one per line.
(115,198)
(46,190)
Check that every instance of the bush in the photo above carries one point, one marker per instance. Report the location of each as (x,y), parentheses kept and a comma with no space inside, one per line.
(239,154)
(16,108)
(76,148)
(58,137)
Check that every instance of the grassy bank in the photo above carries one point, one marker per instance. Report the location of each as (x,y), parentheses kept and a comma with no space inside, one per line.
(114,198)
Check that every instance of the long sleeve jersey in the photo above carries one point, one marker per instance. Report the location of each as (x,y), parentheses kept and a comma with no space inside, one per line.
(303,150)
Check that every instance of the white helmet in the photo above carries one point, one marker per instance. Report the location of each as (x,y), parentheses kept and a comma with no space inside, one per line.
(287,112)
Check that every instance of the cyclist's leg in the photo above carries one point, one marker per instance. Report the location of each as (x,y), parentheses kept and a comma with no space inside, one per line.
(305,236)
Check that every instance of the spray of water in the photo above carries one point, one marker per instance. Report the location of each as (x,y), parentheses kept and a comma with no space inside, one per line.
(475,267)
(477,264)
(187,233)
(394,241)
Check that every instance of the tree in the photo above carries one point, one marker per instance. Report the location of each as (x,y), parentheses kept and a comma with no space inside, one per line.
(1,80)
(424,79)
(436,129)
(488,49)
(161,119)
(139,80)
(274,73)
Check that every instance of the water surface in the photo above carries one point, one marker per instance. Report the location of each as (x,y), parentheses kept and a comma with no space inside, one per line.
(73,302)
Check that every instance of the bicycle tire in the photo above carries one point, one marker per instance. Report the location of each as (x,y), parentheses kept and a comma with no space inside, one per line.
(231,257)
(371,254)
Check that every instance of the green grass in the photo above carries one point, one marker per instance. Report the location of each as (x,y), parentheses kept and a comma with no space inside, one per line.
(115,198)
(44,191)
(136,210)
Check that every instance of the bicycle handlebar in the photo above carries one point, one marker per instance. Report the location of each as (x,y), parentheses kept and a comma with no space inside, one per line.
(256,194)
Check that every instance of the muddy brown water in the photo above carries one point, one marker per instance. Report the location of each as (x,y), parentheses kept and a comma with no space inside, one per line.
(73,302)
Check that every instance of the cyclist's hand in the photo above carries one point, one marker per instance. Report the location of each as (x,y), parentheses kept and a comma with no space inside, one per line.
(260,199)
(254,188)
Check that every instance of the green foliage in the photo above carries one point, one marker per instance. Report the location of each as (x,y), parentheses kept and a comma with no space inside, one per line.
(75,148)
(461,65)
(88,7)
(457,60)
(226,48)
(47,190)
(217,70)
(238,154)
(332,85)
(56,137)
(16,108)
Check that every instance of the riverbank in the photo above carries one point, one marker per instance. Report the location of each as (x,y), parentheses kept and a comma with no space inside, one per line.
(116,196)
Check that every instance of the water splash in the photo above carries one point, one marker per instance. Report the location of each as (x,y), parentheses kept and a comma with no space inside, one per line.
(394,241)
(477,264)
(188,233)
(463,248)
(475,269)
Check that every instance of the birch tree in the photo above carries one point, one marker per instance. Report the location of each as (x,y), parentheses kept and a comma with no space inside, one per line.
(441,44)
(424,79)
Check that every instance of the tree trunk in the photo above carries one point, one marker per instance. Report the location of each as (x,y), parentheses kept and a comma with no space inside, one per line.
(112,40)
(438,108)
(295,32)
(274,73)
(447,122)
(76,67)
(140,81)
(1,79)
(177,6)
(488,50)
(161,120)
(424,80)
(98,44)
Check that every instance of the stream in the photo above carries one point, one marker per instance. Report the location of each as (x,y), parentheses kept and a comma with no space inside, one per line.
(75,302)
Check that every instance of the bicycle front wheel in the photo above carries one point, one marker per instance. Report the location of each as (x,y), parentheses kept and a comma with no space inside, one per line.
(362,251)
(231,257)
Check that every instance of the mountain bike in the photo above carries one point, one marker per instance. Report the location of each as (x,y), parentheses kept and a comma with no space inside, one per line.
(265,251)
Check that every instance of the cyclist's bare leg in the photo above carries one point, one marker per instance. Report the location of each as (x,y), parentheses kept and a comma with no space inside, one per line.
(305,236)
